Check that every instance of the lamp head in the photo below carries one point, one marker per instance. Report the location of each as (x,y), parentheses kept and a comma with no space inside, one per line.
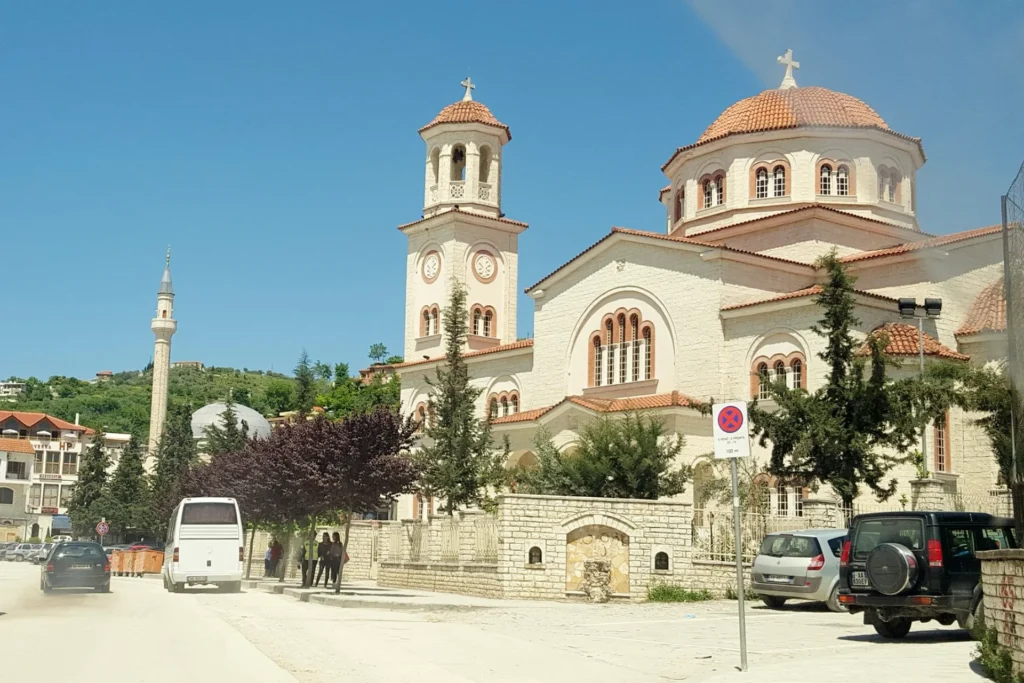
(908,307)
(933,307)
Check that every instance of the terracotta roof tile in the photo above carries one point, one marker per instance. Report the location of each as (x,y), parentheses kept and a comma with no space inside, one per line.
(923,244)
(30,419)
(813,290)
(662,191)
(669,238)
(521,344)
(467,112)
(988,314)
(16,446)
(466,213)
(903,341)
(605,405)
(811,107)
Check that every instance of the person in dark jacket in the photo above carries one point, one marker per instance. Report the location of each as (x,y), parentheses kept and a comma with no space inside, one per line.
(323,550)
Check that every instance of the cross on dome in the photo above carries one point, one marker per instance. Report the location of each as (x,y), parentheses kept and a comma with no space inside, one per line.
(469,86)
(787,59)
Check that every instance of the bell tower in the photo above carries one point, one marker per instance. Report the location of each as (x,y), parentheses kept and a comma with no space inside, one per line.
(463,236)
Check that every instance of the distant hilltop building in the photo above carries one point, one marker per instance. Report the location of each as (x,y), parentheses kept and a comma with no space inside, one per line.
(104,375)
(11,389)
(198,365)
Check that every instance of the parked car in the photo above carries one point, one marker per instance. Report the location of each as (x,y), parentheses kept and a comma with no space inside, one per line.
(38,556)
(62,539)
(22,552)
(901,567)
(79,564)
(799,565)
(4,547)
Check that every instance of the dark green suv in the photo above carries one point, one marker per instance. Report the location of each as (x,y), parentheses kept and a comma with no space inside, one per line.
(902,567)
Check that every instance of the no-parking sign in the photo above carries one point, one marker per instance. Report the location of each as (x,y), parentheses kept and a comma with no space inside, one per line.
(102,528)
(730,429)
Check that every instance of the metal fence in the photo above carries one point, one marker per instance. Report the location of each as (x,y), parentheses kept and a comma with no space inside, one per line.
(713,535)
(486,539)
(449,540)
(1013,260)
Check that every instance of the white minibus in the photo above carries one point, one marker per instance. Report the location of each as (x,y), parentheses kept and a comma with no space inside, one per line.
(205,545)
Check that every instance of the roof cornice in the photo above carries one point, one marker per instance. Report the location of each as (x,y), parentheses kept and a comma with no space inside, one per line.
(443,218)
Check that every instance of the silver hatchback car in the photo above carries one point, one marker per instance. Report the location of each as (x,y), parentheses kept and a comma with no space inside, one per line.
(799,565)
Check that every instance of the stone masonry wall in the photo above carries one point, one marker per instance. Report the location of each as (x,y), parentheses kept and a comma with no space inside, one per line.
(1002,582)
(481,580)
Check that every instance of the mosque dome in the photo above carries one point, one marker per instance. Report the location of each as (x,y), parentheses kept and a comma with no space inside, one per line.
(211,415)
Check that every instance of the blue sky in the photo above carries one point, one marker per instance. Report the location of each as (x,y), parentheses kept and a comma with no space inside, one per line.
(274,146)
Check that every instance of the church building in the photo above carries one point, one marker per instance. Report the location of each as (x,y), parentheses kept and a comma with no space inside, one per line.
(716,300)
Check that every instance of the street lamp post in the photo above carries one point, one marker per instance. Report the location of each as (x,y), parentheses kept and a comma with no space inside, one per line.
(932,309)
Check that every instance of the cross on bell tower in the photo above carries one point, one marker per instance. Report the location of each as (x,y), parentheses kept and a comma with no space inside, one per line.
(470,87)
(787,59)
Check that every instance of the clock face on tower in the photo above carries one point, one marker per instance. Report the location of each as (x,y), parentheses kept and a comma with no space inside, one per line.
(431,266)
(484,266)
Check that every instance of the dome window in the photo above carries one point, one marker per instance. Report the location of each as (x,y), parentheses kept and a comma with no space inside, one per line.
(843,181)
(780,181)
(825,186)
(761,183)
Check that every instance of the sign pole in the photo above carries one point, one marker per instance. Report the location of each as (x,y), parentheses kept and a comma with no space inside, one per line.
(740,590)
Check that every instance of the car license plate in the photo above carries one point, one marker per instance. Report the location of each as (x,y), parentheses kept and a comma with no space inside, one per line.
(196,579)
(776,578)
(81,566)
(858,579)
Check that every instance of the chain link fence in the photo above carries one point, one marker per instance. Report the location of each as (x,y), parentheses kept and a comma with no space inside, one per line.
(1013,259)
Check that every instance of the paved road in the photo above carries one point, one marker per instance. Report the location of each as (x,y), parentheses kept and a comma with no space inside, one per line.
(255,637)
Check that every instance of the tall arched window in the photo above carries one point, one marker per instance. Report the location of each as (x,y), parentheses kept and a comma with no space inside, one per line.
(458,170)
(761,183)
(421,417)
(434,317)
(719,190)
(709,194)
(598,353)
(504,406)
(514,402)
(826,180)
(477,321)
(763,381)
(780,181)
(493,408)
(425,327)
(623,348)
(677,213)
(485,164)
(435,165)
(843,181)
(780,371)
(488,323)
(634,328)
(648,350)
(887,184)
(798,373)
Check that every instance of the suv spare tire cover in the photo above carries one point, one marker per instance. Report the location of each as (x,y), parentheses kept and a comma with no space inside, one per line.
(891,568)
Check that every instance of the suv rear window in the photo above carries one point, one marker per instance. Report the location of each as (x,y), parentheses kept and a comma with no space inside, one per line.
(209,513)
(790,546)
(907,531)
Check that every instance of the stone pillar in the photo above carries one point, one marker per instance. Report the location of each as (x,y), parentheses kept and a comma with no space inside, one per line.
(1002,584)
(927,495)
(822,513)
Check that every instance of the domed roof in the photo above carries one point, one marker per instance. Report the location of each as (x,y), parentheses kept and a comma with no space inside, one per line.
(467,111)
(793,108)
(211,414)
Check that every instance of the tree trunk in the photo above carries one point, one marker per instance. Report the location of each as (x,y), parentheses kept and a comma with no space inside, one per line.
(344,549)
(286,557)
(310,545)
(1017,495)
(252,541)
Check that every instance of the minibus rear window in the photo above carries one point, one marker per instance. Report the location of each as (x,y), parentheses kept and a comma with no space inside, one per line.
(209,513)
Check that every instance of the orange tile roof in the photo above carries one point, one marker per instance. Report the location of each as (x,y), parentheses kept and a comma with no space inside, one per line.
(811,107)
(521,344)
(30,419)
(903,341)
(988,314)
(662,191)
(813,290)
(16,446)
(669,238)
(466,213)
(606,405)
(924,244)
(467,112)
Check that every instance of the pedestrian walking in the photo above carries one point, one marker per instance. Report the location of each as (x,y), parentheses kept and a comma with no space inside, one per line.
(335,555)
(275,556)
(267,559)
(323,550)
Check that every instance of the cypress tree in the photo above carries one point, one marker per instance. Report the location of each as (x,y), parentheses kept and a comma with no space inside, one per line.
(176,455)
(129,492)
(90,502)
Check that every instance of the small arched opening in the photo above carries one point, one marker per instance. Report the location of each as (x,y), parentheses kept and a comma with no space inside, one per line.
(485,164)
(536,556)
(661,562)
(458,169)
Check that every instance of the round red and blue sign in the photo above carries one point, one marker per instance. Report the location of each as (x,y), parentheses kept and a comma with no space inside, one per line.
(103,528)
(730,419)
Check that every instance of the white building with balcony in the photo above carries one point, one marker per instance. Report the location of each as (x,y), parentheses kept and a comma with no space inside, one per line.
(11,389)
(714,301)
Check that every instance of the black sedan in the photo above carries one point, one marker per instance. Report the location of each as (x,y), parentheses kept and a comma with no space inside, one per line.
(78,564)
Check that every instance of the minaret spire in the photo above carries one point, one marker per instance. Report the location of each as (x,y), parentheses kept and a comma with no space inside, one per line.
(164,326)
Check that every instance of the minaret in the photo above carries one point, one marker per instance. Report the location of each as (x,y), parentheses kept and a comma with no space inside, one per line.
(164,326)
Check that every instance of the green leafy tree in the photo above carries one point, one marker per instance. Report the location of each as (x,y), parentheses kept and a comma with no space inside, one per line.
(129,492)
(378,352)
(323,372)
(280,396)
(176,455)
(456,460)
(394,360)
(228,437)
(853,429)
(352,396)
(305,385)
(627,457)
(90,501)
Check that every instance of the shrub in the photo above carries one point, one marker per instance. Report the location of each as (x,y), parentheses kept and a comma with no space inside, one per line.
(663,592)
(34,539)
(995,659)
(748,594)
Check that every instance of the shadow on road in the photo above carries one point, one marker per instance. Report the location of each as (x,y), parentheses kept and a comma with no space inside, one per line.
(922,637)
(797,606)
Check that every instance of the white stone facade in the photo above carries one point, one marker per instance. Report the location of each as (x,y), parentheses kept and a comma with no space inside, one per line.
(720,288)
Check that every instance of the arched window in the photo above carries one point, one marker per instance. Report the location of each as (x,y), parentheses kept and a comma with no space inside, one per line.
(435,165)
(709,194)
(843,181)
(458,170)
(434,315)
(798,373)
(421,417)
(623,348)
(485,164)
(648,351)
(661,562)
(425,328)
(781,500)
(536,556)
(780,181)
(514,402)
(780,371)
(887,184)
(6,496)
(826,180)
(598,352)
(763,381)
(719,190)
(477,321)
(504,406)
(941,441)
(677,212)
(761,183)
(494,408)
(891,194)
(488,323)
(610,366)
(634,329)
(163,314)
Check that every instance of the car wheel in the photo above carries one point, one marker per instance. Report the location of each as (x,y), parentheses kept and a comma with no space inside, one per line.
(894,628)
(179,587)
(773,601)
(19,558)
(976,621)
(833,601)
